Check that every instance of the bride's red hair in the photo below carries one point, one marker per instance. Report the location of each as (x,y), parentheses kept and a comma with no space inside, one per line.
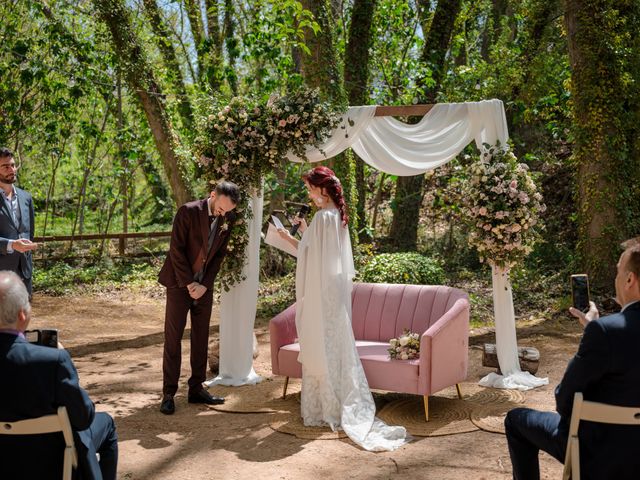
(323,177)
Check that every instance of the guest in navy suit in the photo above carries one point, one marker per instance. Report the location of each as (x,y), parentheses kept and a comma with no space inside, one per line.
(36,380)
(606,369)
(16,222)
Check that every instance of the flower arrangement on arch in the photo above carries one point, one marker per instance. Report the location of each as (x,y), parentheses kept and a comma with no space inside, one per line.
(248,137)
(502,206)
(405,347)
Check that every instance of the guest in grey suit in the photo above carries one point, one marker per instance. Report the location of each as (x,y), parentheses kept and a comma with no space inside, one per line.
(16,222)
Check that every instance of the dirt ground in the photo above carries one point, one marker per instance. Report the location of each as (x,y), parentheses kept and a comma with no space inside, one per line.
(116,343)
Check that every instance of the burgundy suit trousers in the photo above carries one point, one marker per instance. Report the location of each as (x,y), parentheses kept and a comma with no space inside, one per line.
(179,303)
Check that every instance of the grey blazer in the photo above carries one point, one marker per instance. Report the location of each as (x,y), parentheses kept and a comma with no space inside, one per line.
(17,262)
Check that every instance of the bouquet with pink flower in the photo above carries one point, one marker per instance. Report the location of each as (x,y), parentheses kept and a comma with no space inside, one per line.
(502,206)
(405,347)
(246,138)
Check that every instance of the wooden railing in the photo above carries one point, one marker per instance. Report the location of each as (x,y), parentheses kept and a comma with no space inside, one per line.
(100,236)
(45,254)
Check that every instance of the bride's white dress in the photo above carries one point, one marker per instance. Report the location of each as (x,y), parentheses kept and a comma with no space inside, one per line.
(334,388)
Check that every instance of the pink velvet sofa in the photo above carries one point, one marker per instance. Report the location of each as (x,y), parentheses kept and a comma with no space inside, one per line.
(381,312)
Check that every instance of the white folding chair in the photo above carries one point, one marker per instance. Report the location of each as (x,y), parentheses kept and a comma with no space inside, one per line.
(593,412)
(47,424)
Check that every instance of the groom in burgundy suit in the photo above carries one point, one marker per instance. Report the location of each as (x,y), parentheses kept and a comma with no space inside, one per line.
(199,239)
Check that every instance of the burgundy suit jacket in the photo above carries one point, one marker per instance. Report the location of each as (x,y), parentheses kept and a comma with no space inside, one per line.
(188,247)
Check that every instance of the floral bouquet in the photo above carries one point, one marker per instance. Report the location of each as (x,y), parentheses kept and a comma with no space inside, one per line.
(502,206)
(405,347)
(247,138)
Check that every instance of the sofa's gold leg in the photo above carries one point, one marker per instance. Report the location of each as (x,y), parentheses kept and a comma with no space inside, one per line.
(284,390)
(426,408)
(459,391)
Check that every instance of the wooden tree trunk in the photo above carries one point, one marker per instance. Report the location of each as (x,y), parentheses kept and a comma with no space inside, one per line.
(356,79)
(406,212)
(602,53)
(231,44)
(214,44)
(321,70)
(141,80)
(163,41)
(409,190)
(437,43)
(197,29)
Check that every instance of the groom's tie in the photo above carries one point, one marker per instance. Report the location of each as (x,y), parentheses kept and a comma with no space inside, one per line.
(213,226)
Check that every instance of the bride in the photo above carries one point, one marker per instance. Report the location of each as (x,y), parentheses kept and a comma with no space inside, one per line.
(334,387)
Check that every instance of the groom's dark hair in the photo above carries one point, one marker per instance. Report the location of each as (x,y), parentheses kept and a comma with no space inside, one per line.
(5,153)
(228,189)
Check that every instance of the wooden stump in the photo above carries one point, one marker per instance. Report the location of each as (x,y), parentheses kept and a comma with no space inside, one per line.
(529,358)
(214,354)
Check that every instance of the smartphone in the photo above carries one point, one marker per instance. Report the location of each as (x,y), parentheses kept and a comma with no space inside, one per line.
(580,291)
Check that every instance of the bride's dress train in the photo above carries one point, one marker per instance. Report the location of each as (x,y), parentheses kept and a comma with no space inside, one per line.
(334,387)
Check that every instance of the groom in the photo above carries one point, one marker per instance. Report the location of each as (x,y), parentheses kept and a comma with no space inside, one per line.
(201,231)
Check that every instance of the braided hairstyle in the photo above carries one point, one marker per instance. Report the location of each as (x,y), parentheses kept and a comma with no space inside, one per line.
(323,177)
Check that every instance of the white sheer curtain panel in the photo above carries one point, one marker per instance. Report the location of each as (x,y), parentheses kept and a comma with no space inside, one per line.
(238,314)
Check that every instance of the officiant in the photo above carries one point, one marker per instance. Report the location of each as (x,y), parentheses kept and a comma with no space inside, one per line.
(199,239)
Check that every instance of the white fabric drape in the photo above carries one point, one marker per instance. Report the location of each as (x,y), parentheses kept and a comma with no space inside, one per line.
(238,314)
(512,376)
(400,149)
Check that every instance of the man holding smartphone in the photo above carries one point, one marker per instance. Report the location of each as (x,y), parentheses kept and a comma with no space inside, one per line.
(36,380)
(605,369)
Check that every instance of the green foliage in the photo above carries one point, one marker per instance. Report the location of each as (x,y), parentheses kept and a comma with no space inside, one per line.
(275,295)
(406,268)
(63,278)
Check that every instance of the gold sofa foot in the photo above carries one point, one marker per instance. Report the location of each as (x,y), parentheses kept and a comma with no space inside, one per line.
(284,390)
(459,391)
(426,407)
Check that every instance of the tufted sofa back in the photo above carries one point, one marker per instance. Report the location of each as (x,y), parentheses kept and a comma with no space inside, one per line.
(381,311)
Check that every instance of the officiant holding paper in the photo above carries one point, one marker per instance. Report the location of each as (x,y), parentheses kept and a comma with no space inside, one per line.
(335,391)
(199,238)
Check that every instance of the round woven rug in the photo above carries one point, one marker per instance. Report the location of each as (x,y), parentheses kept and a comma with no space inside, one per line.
(490,418)
(447,416)
(482,395)
(493,396)
(264,397)
(292,425)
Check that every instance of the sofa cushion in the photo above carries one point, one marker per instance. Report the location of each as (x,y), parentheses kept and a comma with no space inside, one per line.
(382,311)
(382,373)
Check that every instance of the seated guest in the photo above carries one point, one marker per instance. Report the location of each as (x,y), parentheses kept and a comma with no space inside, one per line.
(36,380)
(606,369)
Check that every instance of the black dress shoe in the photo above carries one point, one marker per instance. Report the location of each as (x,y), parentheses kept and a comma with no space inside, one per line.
(168,406)
(205,397)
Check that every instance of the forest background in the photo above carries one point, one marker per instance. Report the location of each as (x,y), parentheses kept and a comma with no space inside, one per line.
(101,102)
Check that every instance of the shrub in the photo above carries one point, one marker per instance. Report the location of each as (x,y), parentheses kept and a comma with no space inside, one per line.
(408,268)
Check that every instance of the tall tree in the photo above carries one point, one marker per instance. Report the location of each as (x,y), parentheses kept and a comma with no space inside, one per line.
(436,46)
(410,190)
(141,80)
(197,30)
(213,45)
(356,79)
(321,69)
(605,67)
(167,50)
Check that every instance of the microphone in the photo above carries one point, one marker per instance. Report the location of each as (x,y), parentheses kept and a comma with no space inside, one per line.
(304,209)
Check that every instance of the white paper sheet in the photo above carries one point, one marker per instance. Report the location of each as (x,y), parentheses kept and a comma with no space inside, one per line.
(274,239)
